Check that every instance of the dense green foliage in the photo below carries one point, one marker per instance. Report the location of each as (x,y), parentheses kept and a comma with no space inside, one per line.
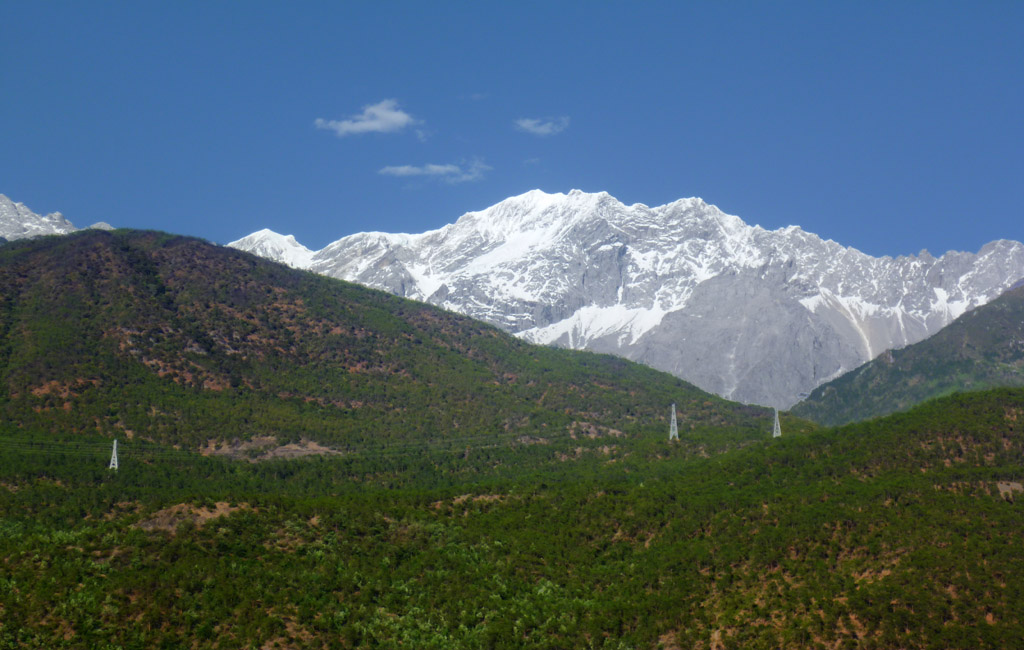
(490,494)
(886,534)
(984,348)
(178,341)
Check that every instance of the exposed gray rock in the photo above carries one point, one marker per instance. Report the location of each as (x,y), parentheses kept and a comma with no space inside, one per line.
(18,222)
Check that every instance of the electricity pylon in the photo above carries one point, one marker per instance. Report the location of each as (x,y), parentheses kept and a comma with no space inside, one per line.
(113,456)
(673,429)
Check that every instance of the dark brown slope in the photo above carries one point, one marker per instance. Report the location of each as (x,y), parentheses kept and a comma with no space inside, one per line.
(176,340)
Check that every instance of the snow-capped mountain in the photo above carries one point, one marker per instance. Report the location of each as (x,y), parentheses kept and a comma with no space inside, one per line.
(280,248)
(753,315)
(18,222)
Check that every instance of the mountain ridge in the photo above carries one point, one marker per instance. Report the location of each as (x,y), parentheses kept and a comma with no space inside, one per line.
(178,341)
(760,316)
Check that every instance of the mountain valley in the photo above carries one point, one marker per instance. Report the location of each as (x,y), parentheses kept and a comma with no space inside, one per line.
(982,349)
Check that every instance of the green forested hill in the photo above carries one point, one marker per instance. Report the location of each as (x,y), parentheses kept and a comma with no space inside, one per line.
(901,532)
(984,348)
(489,494)
(170,339)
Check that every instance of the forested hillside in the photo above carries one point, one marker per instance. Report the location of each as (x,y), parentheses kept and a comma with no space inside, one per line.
(903,532)
(144,335)
(472,491)
(984,348)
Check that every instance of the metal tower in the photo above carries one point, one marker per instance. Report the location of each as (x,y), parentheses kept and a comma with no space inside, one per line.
(113,456)
(776,429)
(673,429)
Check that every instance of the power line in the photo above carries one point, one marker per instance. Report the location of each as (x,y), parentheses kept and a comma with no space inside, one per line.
(397,449)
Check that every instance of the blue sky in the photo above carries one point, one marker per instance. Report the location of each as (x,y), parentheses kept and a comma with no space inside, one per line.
(887,126)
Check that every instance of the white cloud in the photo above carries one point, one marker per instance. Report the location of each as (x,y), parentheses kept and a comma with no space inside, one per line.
(382,117)
(424,170)
(543,126)
(472,171)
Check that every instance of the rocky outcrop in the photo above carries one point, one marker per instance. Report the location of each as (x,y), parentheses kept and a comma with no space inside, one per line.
(18,222)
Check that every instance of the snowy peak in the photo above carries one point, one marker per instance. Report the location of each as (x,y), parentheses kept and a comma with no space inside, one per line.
(534,211)
(19,222)
(280,248)
(751,314)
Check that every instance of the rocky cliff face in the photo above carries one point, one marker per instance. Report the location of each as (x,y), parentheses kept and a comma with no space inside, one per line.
(18,222)
(753,315)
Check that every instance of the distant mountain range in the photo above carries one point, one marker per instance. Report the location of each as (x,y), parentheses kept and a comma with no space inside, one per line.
(752,315)
(982,349)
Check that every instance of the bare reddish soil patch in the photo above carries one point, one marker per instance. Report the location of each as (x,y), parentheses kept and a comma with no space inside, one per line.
(169,519)
(1007,488)
(262,448)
